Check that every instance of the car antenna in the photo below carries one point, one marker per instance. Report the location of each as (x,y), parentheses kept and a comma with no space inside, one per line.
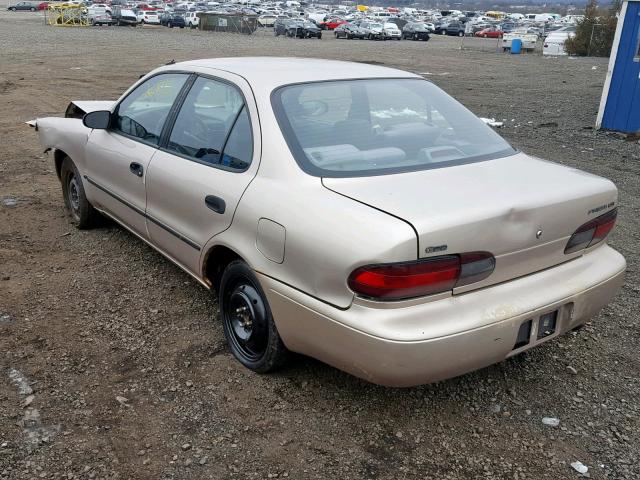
(170,62)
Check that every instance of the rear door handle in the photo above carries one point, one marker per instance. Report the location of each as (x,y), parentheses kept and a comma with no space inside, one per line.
(136,169)
(215,203)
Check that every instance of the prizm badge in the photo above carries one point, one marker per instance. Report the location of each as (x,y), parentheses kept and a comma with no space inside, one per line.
(600,208)
(437,248)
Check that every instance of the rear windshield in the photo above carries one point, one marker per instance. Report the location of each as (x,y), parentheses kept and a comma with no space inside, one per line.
(380,126)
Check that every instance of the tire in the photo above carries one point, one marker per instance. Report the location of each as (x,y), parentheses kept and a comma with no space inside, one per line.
(32,9)
(169,25)
(484,35)
(247,321)
(83,215)
(319,36)
(461,34)
(12,9)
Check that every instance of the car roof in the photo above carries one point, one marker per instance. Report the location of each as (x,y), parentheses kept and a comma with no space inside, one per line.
(265,74)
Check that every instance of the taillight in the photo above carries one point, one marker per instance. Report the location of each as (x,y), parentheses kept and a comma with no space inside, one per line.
(592,232)
(396,281)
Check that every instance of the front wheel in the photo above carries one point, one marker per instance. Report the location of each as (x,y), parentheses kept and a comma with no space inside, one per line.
(169,25)
(247,321)
(461,34)
(32,9)
(82,212)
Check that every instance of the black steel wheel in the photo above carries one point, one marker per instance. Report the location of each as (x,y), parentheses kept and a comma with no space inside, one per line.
(82,212)
(247,321)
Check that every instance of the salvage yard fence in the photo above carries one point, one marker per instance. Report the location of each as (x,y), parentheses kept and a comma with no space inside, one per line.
(246,24)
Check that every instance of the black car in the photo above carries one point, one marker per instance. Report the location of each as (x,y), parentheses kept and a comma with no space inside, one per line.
(172,20)
(441,28)
(282,24)
(30,6)
(416,31)
(456,29)
(349,30)
(304,29)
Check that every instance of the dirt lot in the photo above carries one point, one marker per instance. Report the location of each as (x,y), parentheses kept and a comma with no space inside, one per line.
(128,368)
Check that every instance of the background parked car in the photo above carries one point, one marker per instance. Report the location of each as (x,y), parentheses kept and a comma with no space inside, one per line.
(267,20)
(147,16)
(416,31)
(124,16)
(281,25)
(441,28)
(391,31)
(373,30)
(43,5)
(172,20)
(192,20)
(491,32)
(331,24)
(304,29)
(99,16)
(28,6)
(349,30)
(455,29)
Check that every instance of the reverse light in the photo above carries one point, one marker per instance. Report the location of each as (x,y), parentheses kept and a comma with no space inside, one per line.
(592,232)
(397,281)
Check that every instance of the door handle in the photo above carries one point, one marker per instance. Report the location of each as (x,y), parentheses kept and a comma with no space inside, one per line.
(136,169)
(215,203)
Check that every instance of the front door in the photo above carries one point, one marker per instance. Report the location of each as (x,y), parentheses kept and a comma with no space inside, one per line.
(198,176)
(118,158)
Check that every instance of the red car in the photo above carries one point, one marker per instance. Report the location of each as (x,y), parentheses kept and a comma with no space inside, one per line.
(332,23)
(43,5)
(491,32)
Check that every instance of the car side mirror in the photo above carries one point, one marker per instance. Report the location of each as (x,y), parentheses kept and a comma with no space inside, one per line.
(99,119)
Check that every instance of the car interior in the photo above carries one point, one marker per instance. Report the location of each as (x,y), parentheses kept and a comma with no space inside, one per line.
(355,126)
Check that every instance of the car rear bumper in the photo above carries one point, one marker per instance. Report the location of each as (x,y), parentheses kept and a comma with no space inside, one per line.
(427,342)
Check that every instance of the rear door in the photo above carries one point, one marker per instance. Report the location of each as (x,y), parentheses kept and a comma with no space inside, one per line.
(118,158)
(202,168)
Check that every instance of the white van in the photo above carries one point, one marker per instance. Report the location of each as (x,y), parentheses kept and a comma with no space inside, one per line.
(191,19)
(554,43)
(379,15)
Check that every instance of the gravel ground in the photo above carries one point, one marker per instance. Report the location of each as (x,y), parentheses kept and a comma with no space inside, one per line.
(111,362)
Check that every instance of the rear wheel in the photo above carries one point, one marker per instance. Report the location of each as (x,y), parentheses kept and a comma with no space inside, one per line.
(461,34)
(32,9)
(169,25)
(247,321)
(82,212)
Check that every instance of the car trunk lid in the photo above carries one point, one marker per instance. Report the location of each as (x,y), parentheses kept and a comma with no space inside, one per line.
(521,209)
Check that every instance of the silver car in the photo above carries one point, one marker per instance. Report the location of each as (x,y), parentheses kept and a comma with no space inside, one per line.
(350,212)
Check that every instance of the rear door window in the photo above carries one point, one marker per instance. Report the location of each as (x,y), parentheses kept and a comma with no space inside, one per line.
(213,126)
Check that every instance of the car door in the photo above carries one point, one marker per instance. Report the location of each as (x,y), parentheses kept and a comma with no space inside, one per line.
(117,158)
(202,169)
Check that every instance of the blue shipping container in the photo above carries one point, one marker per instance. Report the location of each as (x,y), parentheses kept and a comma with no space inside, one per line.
(620,103)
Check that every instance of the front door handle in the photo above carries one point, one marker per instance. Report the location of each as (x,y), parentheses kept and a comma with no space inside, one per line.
(215,203)
(136,169)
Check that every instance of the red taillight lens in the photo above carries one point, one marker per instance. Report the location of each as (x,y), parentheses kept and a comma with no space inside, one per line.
(424,277)
(592,232)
